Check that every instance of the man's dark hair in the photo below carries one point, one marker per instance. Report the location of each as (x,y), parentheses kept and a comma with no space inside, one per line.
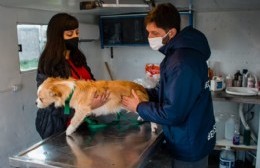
(165,16)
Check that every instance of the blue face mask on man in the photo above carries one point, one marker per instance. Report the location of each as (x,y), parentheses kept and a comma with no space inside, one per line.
(72,44)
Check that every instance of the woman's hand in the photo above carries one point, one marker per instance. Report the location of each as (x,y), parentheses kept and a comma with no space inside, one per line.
(131,102)
(99,99)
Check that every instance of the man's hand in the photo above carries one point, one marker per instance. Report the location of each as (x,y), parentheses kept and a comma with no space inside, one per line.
(130,102)
(99,99)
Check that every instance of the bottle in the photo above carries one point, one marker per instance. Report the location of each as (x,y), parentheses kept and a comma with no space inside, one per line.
(244,80)
(246,140)
(237,79)
(237,74)
(229,80)
(236,136)
(210,71)
(220,127)
(250,81)
(230,127)
(227,158)
(240,80)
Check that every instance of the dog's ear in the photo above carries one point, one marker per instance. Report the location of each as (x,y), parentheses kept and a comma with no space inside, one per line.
(55,92)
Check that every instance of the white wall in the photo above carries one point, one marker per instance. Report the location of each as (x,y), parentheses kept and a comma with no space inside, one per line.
(94,58)
(234,38)
(18,110)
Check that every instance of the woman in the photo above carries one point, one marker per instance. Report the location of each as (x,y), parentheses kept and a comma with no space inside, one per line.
(61,58)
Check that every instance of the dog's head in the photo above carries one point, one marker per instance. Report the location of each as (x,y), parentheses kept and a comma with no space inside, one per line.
(54,90)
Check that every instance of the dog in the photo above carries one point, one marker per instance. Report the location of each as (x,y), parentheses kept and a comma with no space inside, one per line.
(82,92)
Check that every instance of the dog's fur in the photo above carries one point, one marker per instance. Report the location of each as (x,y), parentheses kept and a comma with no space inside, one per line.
(57,90)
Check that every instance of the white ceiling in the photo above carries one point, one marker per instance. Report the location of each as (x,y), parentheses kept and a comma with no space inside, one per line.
(72,6)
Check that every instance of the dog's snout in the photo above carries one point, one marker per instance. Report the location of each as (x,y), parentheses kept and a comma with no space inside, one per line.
(37,103)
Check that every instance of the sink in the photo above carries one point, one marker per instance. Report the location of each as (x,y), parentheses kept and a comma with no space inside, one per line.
(242,91)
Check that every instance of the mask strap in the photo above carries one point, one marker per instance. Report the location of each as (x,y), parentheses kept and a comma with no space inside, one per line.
(165,38)
(166,34)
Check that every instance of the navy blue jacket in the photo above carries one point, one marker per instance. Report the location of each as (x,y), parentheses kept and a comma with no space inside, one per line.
(182,101)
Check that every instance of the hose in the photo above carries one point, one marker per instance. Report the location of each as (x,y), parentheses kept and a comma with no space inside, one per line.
(246,126)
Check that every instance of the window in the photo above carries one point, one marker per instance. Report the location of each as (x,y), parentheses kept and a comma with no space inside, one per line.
(129,29)
(31,41)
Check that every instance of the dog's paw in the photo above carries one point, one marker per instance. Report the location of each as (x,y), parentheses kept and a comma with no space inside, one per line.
(70,130)
(154,127)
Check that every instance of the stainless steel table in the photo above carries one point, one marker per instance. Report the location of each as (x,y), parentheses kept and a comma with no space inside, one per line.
(122,145)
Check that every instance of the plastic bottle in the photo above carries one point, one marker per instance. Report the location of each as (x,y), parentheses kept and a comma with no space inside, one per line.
(240,80)
(246,140)
(227,158)
(210,71)
(220,127)
(230,127)
(229,80)
(236,136)
(250,81)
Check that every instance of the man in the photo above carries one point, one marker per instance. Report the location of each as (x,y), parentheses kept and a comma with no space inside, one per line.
(182,101)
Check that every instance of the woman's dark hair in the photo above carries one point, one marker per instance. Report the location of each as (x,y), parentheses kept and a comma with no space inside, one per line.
(52,61)
(165,16)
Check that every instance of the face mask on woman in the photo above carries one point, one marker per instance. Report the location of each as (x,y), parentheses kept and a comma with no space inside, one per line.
(157,42)
(72,44)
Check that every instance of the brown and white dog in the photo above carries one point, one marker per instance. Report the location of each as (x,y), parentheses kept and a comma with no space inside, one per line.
(57,90)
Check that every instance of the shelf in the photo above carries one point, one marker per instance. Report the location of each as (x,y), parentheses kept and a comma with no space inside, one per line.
(224,142)
(223,96)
